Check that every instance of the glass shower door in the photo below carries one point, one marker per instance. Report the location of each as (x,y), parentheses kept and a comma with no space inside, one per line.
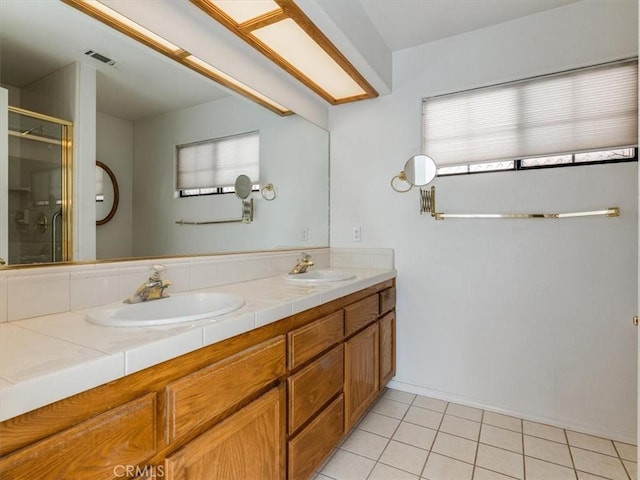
(39,188)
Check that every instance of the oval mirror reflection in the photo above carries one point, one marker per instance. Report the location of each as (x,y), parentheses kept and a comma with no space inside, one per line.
(420,170)
(243,186)
(107,193)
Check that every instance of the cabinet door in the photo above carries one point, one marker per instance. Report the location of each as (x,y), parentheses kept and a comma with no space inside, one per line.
(361,373)
(247,445)
(387,348)
(97,448)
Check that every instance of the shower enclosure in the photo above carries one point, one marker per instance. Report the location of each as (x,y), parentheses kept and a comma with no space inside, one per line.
(38,196)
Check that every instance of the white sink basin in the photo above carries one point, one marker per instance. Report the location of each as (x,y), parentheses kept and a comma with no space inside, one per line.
(165,311)
(320,275)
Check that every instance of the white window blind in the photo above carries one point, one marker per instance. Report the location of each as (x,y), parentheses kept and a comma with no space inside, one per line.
(581,110)
(217,163)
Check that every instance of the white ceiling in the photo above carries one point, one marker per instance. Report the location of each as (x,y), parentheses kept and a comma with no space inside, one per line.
(38,37)
(407,23)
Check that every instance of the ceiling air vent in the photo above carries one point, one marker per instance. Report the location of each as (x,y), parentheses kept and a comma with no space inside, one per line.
(100,58)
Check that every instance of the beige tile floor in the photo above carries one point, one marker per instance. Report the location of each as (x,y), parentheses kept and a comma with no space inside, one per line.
(406,436)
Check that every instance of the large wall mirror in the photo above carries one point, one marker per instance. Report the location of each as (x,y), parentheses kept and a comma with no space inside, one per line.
(130,107)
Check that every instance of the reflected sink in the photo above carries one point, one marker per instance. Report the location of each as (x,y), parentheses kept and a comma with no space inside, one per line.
(175,309)
(320,275)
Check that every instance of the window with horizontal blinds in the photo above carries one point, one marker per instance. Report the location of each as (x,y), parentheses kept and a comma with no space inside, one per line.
(588,109)
(216,163)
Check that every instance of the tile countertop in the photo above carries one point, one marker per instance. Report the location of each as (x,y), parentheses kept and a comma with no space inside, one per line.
(48,358)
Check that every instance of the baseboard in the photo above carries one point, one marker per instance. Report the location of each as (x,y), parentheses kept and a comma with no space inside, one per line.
(624,437)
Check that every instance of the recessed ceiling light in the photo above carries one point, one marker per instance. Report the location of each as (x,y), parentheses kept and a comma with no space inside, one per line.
(281,31)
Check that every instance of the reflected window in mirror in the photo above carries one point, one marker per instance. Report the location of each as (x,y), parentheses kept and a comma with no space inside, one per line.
(211,166)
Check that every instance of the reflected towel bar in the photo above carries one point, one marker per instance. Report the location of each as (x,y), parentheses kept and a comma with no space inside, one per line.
(247,216)
(428,205)
(186,222)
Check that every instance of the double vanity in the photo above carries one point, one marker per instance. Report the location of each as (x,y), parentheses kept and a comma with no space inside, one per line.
(267,399)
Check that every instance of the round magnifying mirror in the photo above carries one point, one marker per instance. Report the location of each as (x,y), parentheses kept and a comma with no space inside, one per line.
(243,186)
(420,170)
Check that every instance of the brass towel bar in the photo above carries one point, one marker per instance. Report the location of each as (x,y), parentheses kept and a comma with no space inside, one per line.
(428,205)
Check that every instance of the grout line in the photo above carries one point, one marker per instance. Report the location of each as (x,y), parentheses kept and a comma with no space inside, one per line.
(624,465)
(524,457)
(573,463)
(475,458)
(446,407)
(370,410)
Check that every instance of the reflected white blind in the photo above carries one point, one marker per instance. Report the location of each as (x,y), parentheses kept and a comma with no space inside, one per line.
(581,110)
(217,163)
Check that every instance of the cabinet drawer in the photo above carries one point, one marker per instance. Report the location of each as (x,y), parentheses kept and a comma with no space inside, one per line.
(387,299)
(314,386)
(124,435)
(310,448)
(197,398)
(360,314)
(308,341)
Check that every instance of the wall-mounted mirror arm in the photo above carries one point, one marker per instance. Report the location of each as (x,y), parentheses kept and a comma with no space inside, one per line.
(268,192)
(400,177)
(418,172)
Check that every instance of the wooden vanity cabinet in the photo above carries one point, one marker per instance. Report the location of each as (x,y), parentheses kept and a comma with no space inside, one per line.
(271,403)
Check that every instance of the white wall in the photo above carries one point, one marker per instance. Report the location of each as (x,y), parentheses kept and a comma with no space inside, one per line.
(114,148)
(526,317)
(70,94)
(293,156)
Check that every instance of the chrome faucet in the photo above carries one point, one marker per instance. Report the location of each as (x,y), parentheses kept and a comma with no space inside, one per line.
(303,265)
(153,289)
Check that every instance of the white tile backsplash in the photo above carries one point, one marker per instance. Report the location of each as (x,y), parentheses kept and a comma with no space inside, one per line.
(227,272)
(4,312)
(179,274)
(30,295)
(35,292)
(362,257)
(93,287)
